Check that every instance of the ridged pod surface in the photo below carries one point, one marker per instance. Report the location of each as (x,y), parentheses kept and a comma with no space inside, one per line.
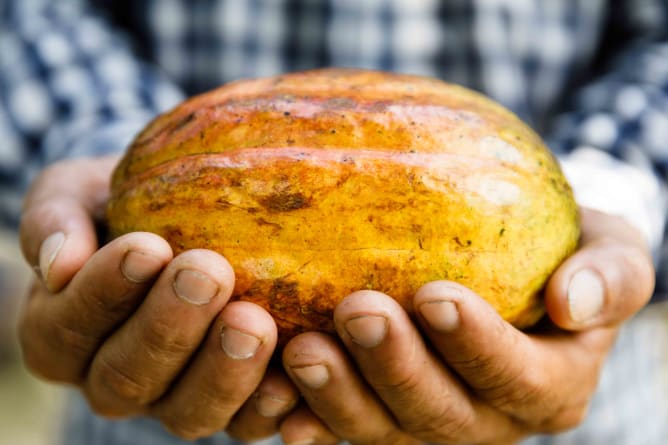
(320,183)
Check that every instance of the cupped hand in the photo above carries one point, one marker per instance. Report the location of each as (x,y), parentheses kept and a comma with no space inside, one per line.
(457,372)
(139,331)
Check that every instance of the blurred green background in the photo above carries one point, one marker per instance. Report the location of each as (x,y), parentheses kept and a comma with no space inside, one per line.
(30,410)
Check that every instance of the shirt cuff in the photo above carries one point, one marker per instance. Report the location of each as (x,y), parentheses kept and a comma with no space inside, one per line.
(606,184)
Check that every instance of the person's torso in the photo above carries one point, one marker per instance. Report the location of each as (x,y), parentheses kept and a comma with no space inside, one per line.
(523,53)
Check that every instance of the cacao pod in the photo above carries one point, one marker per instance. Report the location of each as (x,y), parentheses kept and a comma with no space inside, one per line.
(320,183)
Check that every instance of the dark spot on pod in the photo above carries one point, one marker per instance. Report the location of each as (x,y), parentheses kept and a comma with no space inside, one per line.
(155,206)
(282,293)
(461,243)
(183,122)
(285,202)
(264,222)
(174,236)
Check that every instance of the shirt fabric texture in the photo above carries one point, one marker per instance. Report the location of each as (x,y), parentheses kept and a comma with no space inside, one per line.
(80,78)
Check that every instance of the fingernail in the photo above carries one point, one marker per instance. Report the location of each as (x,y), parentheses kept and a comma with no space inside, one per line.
(268,405)
(314,376)
(138,267)
(441,315)
(238,345)
(368,331)
(48,252)
(194,287)
(586,294)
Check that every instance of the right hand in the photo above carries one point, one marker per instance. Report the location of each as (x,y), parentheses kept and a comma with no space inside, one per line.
(138,331)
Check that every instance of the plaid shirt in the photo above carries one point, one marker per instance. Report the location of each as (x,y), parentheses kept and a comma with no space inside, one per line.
(82,77)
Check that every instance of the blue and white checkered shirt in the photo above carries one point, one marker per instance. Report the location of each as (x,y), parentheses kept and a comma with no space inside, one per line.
(82,77)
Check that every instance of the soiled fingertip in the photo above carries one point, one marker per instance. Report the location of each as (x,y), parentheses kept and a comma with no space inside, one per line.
(142,255)
(440,304)
(239,345)
(246,329)
(271,405)
(138,266)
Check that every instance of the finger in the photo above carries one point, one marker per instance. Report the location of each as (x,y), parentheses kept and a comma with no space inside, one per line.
(606,281)
(320,368)
(544,381)
(58,342)
(223,375)
(427,401)
(57,229)
(302,427)
(261,415)
(137,363)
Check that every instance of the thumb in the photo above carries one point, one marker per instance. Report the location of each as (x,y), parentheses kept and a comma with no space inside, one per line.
(606,281)
(57,229)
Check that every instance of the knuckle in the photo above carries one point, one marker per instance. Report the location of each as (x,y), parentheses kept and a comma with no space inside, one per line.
(513,391)
(493,373)
(76,343)
(405,382)
(121,383)
(112,300)
(399,379)
(448,424)
(488,374)
(38,352)
(502,383)
(164,342)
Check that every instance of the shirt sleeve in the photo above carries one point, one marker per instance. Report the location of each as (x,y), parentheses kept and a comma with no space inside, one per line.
(70,85)
(623,114)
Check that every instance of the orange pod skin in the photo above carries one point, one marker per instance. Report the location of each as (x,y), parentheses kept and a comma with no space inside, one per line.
(317,184)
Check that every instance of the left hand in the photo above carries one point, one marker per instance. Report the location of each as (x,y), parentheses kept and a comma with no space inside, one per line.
(120,323)
(464,375)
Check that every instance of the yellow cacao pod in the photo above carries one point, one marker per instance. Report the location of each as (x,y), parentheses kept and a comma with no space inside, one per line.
(320,183)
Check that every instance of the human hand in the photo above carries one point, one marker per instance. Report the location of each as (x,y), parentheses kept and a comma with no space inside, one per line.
(465,375)
(138,331)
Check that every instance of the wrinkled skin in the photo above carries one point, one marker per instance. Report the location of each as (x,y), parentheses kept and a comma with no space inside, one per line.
(317,184)
(116,331)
